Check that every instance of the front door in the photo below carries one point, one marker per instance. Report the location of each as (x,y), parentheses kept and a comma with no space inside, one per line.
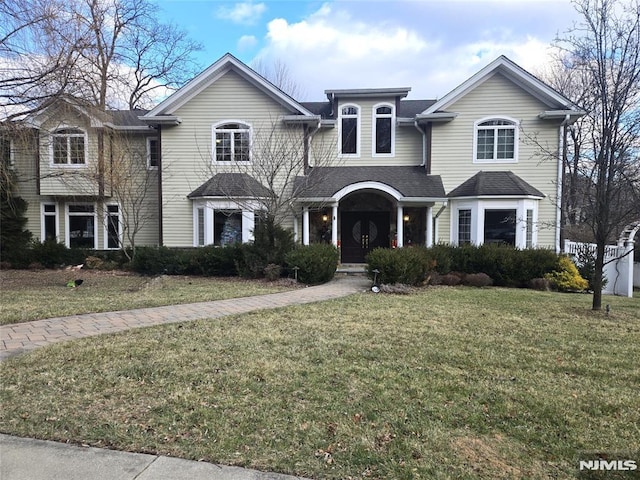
(361,232)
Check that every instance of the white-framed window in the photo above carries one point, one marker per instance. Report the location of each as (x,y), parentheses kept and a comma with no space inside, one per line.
(6,152)
(349,122)
(495,140)
(153,152)
(500,226)
(82,231)
(232,142)
(529,227)
(383,135)
(112,227)
(49,222)
(222,222)
(68,147)
(464,226)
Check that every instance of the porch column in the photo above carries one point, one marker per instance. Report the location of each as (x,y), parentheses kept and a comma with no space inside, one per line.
(334,225)
(429,230)
(305,225)
(248,225)
(400,227)
(296,234)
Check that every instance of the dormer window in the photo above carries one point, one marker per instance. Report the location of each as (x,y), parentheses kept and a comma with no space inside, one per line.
(232,142)
(496,140)
(350,130)
(383,133)
(68,147)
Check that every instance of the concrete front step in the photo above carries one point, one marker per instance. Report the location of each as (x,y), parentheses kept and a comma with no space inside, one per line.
(352,269)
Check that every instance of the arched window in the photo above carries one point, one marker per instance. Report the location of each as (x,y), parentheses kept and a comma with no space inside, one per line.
(496,140)
(232,142)
(68,147)
(383,132)
(349,130)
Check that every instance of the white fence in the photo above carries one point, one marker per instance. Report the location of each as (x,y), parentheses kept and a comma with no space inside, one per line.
(620,271)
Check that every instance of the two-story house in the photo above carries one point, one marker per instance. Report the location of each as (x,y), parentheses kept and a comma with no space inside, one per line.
(365,168)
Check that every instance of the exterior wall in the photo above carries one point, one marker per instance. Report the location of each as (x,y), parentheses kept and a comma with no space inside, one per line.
(407,149)
(187,148)
(452,148)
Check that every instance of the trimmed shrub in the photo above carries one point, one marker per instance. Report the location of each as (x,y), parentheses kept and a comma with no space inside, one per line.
(272,272)
(316,263)
(410,266)
(477,280)
(450,279)
(212,261)
(160,260)
(566,277)
(51,254)
(270,245)
(541,284)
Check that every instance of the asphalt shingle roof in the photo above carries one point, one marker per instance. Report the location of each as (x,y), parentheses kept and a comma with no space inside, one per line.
(230,185)
(495,184)
(324,182)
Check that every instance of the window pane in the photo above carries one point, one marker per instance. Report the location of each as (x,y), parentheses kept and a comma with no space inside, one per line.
(201,226)
(505,143)
(80,208)
(60,150)
(154,154)
(227,228)
(241,146)
(349,111)
(223,146)
(485,144)
(464,227)
(529,241)
(50,208)
(383,110)
(383,135)
(76,149)
(5,151)
(81,234)
(113,231)
(500,226)
(349,135)
(49,227)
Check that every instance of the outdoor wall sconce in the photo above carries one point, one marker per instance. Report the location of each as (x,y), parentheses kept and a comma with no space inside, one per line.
(325,218)
(406,218)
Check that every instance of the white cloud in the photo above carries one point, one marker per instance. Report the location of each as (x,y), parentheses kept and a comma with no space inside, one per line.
(333,48)
(246,13)
(247,42)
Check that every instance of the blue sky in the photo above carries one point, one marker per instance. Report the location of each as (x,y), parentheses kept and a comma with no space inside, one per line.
(428,45)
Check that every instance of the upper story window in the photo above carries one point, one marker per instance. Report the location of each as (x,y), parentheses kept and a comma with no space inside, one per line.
(496,140)
(6,152)
(232,142)
(350,130)
(69,147)
(153,152)
(383,134)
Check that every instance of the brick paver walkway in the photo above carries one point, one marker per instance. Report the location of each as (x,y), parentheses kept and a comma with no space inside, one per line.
(23,337)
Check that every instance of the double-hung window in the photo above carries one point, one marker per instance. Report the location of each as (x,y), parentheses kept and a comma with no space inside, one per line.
(349,130)
(232,142)
(383,130)
(464,227)
(153,152)
(68,146)
(496,140)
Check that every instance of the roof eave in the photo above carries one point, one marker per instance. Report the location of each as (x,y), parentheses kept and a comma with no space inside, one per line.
(498,197)
(161,120)
(562,114)
(436,117)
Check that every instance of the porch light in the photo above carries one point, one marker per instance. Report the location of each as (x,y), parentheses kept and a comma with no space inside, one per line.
(406,218)
(325,218)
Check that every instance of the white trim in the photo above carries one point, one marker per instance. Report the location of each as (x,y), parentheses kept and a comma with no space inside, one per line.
(513,72)
(51,141)
(105,224)
(148,141)
(215,128)
(211,206)
(358,118)
(55,214)
(516,129)
(12,161)
(67,233)
(369,185)
(374,117)
(209,76)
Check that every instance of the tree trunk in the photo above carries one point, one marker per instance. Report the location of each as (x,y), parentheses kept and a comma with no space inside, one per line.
(597,277)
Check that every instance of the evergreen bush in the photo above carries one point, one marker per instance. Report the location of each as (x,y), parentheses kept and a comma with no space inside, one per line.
(316,263)
(410,265)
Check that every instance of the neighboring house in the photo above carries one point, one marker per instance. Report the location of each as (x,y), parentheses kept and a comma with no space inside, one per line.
(467,168)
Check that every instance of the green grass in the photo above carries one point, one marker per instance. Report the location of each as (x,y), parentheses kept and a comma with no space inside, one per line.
(445,383)
(32,295)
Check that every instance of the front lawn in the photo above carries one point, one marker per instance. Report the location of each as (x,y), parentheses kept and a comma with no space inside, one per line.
(444,383)
(35,294)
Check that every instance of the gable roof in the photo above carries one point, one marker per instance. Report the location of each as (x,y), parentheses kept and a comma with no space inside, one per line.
(209,76)
(518,75)
(495,184)
(233,185)
(409,181)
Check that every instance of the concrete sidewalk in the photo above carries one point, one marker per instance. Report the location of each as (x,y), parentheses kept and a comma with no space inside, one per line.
(23,337)
(26,459)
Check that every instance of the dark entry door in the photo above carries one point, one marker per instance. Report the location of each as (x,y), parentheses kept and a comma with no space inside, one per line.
(361,232)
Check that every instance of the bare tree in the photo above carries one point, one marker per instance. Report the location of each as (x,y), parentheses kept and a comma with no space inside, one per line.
(279,74)
(601,60)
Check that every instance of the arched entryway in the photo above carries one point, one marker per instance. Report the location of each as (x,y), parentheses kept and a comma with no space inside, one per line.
(365,224)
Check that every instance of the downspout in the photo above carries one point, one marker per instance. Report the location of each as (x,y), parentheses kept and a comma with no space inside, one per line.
(562,153)
(424,143)
(309,136)
(160,200)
